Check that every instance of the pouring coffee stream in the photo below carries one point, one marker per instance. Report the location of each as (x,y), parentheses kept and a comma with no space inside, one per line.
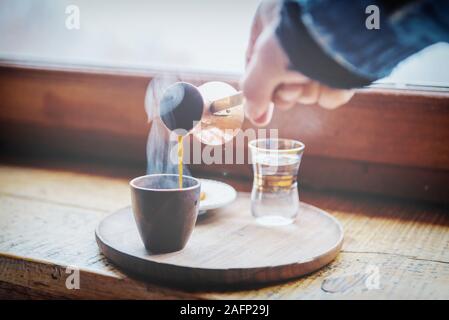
(210,112)
(180,156)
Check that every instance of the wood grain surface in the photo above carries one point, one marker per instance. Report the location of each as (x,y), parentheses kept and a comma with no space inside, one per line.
(228,248)
(48,218)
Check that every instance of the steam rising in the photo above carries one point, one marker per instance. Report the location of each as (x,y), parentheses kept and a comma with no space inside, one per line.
(161,143)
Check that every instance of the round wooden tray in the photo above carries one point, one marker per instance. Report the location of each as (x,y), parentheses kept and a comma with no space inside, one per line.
(228,248)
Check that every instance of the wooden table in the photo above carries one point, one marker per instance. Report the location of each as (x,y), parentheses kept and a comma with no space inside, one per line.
(48,215)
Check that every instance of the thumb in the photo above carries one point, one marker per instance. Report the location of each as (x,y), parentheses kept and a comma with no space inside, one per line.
(258,84)
(266,13)
(256,29)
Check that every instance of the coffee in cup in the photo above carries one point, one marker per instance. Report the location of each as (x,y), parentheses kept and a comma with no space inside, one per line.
(164,212)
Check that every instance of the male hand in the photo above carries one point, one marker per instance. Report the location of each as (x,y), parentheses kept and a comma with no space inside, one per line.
(268,82)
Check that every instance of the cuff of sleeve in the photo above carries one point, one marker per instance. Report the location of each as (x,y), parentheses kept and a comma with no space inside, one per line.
(308,57)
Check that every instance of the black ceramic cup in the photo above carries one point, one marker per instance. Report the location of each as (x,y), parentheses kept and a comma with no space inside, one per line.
(165,214)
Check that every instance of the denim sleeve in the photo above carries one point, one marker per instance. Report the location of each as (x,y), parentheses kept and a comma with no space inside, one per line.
(327,40)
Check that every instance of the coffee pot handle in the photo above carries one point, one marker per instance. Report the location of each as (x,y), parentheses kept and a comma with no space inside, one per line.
(227,102)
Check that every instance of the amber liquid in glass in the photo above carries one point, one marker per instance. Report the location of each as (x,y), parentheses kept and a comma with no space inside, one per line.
(275,195)
(275,175)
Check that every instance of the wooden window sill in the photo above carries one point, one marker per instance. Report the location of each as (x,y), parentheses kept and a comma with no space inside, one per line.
(384,142)
(49,224)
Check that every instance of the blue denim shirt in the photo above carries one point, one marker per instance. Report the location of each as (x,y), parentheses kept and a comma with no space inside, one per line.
(327,40)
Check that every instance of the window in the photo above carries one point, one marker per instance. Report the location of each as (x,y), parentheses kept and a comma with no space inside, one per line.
(195,35)
(427,68)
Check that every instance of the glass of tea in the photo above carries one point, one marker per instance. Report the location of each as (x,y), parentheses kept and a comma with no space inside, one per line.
(274,196)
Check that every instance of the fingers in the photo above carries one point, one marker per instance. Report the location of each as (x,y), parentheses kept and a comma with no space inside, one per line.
(316,93)
(264,73)
(287,95)
(334,98)
(258,87)
(267,78)
(310,93)
(264,119)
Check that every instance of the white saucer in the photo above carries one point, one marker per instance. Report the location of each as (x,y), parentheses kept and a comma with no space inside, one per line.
(217,195)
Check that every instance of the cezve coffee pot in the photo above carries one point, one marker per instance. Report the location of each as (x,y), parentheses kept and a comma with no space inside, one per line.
(212,112)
